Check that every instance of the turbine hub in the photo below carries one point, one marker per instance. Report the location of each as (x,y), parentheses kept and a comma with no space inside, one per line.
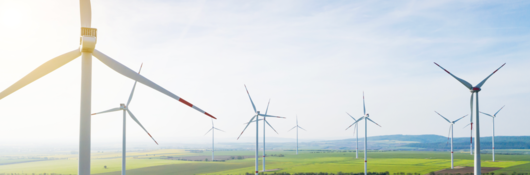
(88,39)
(122,106)
(475,89)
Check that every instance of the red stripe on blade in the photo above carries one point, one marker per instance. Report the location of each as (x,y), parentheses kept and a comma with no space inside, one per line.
(185,102)
(210,115)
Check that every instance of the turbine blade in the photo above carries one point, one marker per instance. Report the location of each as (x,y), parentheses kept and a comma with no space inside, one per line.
(486,114)
(271,127)
(448,134)
(138,122)
(484,81)
(466,125)
(253,121)
(218,129)
(86,13)
(267,110)
(464,82)
(443,117)
(302,128)
(351,116)
(110,110)
(134,87)
(120,68)
(246,126)
(41,71)
(364,107)
(355,122)
(209,131)
(292,128)
(498,111)
(373,122)
(459,118)
(263,115)
(253,106)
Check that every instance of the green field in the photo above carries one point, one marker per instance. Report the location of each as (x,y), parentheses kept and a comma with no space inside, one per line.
(153,162)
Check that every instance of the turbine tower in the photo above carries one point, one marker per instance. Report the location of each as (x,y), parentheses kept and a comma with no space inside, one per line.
(256,115)
(366,119)
(213,130)
(474,90)
(297,126)
(86,50)
(265,122)
(356,133)
(493,132)
(451,131)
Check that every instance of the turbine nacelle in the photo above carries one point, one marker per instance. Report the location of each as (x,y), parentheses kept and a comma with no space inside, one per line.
(475,89)
(122,106)
(88,39)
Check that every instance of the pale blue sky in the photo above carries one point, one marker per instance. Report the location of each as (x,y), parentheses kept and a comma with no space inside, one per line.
(312,58)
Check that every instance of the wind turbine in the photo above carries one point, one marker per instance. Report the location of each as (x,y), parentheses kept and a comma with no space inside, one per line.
(474,90)
(86,50)
(493,132)
(451,130)
(356,132)
(265,122)
(213,130)
(366,118)
(297,126)
(256,115)
(125,109)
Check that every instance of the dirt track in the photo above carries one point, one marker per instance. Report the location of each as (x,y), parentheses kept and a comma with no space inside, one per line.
(200,158)
(464,170)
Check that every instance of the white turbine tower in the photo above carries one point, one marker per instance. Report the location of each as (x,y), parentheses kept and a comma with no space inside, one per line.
(474,90)
(366,118)
(256,115)
(125,109)
(493,132)
(451,131)
(356,132)
(86,50)
(213,131)
(297,126)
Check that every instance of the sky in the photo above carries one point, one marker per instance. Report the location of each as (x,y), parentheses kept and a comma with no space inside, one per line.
(312,59)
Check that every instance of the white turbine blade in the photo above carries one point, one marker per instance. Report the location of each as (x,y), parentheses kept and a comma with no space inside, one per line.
(120,68)
(218,129)
(467,125)
(86,13)
(267,110)
(443,117)
(486,114)
(364,107)
(209,131)
(302,128)
(271,127)
(448,134)
(263,115)
(351,116)
(292,128)
(498,111)
(355,129)
(253,121)
(41,71)
(464,82)
(354,123)
(484,81)
(373,122)
(110,110)
(134,87)
(138,122)
(459,119)
(246,126)
(253,106)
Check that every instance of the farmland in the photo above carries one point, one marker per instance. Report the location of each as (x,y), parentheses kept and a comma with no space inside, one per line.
(307,161)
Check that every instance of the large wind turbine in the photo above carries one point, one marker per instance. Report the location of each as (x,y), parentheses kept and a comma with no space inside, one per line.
(366,118)
(297,126)
(256,115)
(356,132)
(125,109)
(265,122)
(213,131)
(86,50)
(451,130)
(474,90)
(493,132)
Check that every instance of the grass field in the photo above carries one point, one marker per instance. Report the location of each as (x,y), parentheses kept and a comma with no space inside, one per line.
(153,162)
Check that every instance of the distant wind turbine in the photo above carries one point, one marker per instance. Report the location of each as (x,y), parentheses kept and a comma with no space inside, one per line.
(366,118)
(86,50)
(213,130)
(356,132)
(265,122)
(474,90)
(256,115)
(493,132)
(451,131)
(125,109)
(297,126)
